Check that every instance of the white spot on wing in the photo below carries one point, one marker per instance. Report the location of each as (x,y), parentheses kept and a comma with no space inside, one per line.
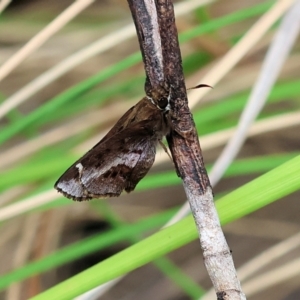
(79,166)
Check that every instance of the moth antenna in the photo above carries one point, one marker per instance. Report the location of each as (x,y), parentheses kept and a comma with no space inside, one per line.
(199,86)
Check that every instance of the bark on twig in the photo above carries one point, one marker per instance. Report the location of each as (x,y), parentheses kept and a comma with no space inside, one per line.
(145,19)
(158,38)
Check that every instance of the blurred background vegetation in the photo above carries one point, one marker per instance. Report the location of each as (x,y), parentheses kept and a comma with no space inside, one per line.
(46,238)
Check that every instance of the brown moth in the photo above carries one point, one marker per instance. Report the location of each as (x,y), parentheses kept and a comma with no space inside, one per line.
(124,156)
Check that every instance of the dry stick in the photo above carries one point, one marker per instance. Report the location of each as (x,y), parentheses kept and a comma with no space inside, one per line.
(163,50)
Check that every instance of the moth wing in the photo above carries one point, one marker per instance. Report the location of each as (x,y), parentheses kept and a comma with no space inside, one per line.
(125,121)
(112,166)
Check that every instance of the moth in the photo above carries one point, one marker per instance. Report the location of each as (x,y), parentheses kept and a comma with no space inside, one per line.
(124,156)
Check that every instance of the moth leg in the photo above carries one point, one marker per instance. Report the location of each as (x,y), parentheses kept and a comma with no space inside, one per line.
(166,149)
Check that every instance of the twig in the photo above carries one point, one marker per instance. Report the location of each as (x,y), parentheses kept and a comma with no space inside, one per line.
(262,260)
(162,50)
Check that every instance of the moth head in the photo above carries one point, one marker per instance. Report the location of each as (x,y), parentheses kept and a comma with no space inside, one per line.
(160,96)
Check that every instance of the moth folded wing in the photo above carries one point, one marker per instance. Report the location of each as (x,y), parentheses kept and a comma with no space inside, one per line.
(111,166)
(70,183)
(70,186)
(144,164)
(119,163)
(128,119)
(99,173)
(108,183)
